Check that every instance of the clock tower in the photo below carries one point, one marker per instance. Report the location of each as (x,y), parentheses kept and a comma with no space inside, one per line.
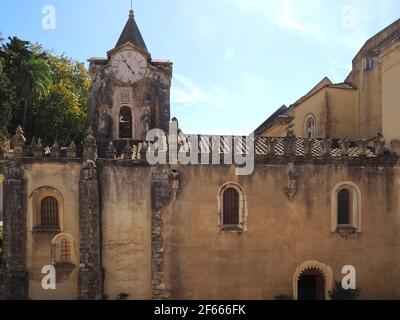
(130,91)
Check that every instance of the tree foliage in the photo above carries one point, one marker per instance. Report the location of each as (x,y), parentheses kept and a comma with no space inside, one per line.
(50,91)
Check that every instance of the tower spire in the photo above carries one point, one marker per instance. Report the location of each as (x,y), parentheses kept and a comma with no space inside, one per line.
(132,34)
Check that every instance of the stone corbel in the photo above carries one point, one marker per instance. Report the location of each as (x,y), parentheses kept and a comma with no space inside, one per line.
(292,177)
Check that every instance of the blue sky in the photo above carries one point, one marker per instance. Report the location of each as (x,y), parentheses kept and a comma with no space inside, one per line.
(235,61)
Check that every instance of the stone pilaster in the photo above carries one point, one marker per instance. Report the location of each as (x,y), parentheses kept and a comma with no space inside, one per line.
(164,189)
(14,244)
(90,271)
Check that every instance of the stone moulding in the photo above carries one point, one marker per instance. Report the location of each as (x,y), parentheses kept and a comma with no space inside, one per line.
(325,270)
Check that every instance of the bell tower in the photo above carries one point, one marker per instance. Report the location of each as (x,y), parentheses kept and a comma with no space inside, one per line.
(130,91)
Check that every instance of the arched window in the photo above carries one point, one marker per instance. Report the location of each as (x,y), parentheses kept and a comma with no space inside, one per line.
(125,123)
(49,212)
(65,250)
(310,127)
(64,256)
(346,208)
(232,208)
(343,207)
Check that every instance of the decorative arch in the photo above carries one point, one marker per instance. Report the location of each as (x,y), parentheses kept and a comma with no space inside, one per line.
(325,270)
(310,126)
(64,255)
(237,203)
(125,123)
(53,199)
(354,204)
(58,245)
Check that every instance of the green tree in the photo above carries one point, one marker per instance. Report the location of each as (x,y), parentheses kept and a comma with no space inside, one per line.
(50,90)
(7,102)
(29,72)
(62,114)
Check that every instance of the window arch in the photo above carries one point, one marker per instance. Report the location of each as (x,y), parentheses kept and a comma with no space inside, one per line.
(346,208)
(125,123)
(310,125)
(47,205)
(63,249)
(232,207)
(64,256)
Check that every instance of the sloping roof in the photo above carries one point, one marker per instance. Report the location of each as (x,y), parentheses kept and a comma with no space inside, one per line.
(131,34)
(324,83)
(279,114)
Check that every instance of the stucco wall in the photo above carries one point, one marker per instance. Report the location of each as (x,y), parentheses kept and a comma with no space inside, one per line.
(342,113)
(391,95)
(64,177)
(126,231)
(203,263)
(315,105)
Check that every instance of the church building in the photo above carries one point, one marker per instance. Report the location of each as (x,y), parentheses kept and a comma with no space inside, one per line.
(324,194)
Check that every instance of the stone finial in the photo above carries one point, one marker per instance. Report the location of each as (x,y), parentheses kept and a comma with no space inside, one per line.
(308,146)
(71,150)
(37,148)
(18,142)
(111,153)
(89,146)
(326,147)
(395,147)
(362,147)
(292,176)
(271,144)
(344,147)
(127,154)
(379,145)
(55,150)
(290,144)
(89,139)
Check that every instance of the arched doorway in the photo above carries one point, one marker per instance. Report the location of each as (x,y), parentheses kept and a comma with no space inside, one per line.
(311,285)
(312,280)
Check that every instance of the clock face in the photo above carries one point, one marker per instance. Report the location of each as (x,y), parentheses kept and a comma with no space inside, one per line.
(129,66)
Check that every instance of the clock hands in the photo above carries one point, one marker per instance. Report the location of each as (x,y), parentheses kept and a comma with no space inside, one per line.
(129,67)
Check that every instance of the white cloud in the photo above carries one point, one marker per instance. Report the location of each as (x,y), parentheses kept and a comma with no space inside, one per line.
(187,92)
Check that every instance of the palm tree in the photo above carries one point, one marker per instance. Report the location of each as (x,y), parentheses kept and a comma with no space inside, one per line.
(35,77)
(29,72)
